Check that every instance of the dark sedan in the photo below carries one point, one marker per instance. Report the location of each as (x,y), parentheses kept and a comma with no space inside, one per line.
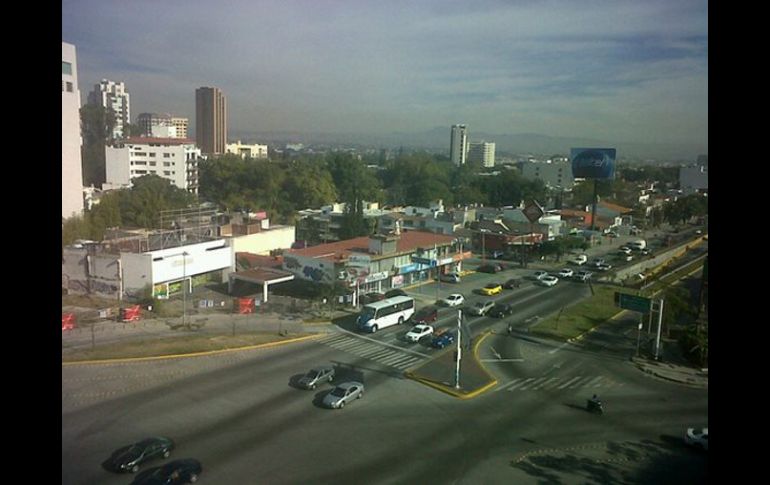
(500,310)
(427,314)
(512,283)
(395,292)
(489,268)
(186,470)
(372,297)
(128,458)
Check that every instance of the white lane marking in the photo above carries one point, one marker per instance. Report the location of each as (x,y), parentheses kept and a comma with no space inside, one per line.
(524,384)
(558,348)
(569,382)
(506,385)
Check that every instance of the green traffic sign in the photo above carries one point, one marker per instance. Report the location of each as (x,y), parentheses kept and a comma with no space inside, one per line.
(633,302)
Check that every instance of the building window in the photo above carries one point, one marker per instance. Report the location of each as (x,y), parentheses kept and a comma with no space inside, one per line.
(69,87)
(152,164)
(66,68)
(152,154)
(166,155)
(166,164)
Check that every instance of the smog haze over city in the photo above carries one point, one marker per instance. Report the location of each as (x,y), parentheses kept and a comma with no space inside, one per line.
(609,72)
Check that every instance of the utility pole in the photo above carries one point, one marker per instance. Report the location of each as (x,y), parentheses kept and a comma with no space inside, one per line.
(660,324)
(459,349)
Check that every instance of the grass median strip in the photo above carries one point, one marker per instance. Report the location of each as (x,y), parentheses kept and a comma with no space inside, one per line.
(578,319)
(180,345)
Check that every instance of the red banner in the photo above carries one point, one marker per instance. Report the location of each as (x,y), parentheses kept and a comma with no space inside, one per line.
(67,321)
(245,305)
(131,313)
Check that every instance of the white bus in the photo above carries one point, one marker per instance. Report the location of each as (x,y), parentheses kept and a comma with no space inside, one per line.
(384,313)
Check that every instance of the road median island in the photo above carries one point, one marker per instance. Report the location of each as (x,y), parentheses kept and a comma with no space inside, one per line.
(178,346)
(577,320)
(440,372)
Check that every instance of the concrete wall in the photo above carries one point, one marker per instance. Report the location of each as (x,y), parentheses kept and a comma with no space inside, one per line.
(265,241)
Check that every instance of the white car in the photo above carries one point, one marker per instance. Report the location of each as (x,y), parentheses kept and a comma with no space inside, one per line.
(454,299)
(565,273)
(578,260)
(481,307)
(582,275)
(540,274)
(418,332)
(624,250)
(604,267)
(548,280)
(697,437)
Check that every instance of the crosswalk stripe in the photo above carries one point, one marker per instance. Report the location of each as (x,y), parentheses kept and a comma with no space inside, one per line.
(569,382)
(407,363)
(524,385)
(594,382)
(391,358)
(506,385)
(545,383)
(371,350)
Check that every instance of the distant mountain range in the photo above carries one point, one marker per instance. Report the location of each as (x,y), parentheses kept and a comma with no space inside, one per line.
(437,140)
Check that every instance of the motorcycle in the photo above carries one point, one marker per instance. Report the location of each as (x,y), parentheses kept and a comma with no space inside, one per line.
(595,406)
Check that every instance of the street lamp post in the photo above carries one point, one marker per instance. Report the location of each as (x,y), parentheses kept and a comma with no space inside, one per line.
(184,289)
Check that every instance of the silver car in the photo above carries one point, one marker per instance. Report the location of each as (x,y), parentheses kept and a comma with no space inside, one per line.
(316,376)
(347,391)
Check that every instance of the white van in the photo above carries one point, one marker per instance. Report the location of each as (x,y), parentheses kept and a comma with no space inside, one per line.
(637,245)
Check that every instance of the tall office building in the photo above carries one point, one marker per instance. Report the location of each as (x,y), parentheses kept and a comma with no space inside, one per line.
(162,125)
(71,162)
(210,120)
(482,152)
(113,95)
(458,150)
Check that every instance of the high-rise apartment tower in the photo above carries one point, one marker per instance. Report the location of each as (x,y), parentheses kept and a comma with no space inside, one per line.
(112,95)
(210,120)
(458,150)
(71,162)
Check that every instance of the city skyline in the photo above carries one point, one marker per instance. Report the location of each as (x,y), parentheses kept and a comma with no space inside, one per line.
(621,72)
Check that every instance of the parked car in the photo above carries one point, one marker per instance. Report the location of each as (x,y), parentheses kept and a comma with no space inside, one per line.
(395,292)
(578,260)
(548,280)
(491,289)
(597,261)
(372,297)
(455,299)
(128,458)
(611,234)
(565,273)
(343,393)
(418,332)
(443,339)
(698,437)
(500,310)
(624,250)
(450,278)
(316,376)
(480,308)
(539,274)
(645,252)
(603,267)
(512,283)
(186,470)
(490,268)
(426,314)
(627,257)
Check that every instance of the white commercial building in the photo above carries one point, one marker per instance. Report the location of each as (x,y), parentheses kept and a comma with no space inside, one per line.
(71,162)
(555,173)
(458,149)
(246,151)
(482,152)
(112,95)
(174,159)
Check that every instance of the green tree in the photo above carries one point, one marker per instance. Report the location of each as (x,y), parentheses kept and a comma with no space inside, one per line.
(149,196)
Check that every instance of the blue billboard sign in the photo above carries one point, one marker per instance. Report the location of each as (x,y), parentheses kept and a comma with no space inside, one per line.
(593,163)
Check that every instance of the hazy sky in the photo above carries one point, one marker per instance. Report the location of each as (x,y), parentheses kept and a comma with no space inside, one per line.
(631,71)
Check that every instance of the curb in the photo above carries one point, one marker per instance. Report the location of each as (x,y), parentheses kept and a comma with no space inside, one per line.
(194,354)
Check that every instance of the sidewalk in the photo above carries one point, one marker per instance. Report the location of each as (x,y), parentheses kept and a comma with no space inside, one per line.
(672,372)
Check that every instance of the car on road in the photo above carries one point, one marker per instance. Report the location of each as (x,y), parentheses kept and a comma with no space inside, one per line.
(500,310)
(491,289)
(186,470)
(512,283)
(455,299)
(317,375)
(395,292)
(578,260)
(490,268)
(565,273)
(698,437)
(343,393)
(624,250)
(539,274)
(644,252)
(582,275)
(626,257)
(426,314)
(372,297)
(442,339)
(418,332)
(128,458)
(604,267)
(480,308)
(450,278)
(548,280)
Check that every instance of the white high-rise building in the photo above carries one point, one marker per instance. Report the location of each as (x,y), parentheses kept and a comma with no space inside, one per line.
(113,95)
(174,159)
(71,162)
(458,150)
(482,152)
